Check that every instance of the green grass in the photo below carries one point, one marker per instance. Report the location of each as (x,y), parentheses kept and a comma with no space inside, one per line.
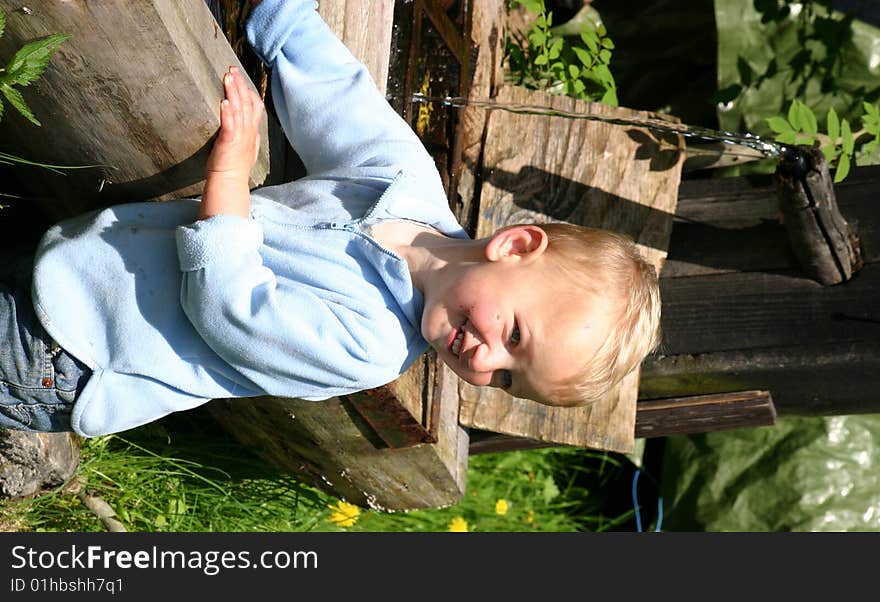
(160,480)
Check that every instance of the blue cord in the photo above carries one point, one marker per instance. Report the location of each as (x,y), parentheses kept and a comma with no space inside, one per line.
(635,498)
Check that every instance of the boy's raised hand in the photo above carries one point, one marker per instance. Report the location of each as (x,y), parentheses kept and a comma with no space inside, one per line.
(235,150)
(238,143)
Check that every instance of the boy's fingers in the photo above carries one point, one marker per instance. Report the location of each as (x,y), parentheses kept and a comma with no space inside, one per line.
(232,94)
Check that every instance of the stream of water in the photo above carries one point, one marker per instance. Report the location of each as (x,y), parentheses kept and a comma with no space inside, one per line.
(768,148)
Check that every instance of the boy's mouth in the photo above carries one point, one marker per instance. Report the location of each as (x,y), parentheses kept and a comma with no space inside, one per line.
(456,338)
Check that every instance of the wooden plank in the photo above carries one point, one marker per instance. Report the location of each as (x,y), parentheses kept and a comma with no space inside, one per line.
(137,88)
(732,224)
(753,310)
(488,21)
(541,169)
(365,28)
(704,413)
(664,417)
(327,444)
(806,379)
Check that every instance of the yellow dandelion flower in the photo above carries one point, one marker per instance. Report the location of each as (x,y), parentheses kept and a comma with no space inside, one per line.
(458,525)
(501,507)
(531,517)
(344,514)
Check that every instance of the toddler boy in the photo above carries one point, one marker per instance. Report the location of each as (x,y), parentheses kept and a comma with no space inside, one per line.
(324,286)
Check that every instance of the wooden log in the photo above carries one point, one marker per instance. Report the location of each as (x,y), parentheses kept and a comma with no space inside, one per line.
(824,243)
(136,89)
(664,417)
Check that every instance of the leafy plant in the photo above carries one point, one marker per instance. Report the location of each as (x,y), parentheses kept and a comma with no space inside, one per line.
(839,144)
(24,68)
(559,60)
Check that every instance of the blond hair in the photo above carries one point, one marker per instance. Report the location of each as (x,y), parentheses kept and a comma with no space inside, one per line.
(614,266)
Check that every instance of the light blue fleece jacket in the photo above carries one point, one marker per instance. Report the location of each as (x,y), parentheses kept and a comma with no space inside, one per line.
(296,301)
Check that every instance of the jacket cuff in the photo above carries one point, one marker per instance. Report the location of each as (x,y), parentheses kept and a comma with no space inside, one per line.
(270,24)
(213,239)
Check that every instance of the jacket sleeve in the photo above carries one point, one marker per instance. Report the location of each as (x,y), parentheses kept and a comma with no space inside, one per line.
(288,342)
(327,103)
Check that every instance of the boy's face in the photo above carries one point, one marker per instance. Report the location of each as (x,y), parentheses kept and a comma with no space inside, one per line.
(513,321)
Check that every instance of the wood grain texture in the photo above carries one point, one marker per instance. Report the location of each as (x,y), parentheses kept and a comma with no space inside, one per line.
(826,246)
(704,413)
(487,34)
(544,169)
(664,417)
(136,88)
(327,444)
(365,28)
(733,224)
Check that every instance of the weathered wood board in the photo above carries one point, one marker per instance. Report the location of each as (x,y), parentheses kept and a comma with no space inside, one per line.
(538,168)
(487,34)
(738,312)
(136,89)
(327,444)
(365,28)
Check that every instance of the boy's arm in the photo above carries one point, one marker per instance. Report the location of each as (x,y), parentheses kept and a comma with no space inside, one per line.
(235,150)
(285,341)
(326,100)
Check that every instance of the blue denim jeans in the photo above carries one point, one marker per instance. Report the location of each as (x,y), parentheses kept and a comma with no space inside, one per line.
(39,381)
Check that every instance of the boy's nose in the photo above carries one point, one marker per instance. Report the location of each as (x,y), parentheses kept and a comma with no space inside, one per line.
(485,358)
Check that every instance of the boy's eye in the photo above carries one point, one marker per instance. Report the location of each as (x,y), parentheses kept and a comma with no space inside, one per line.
(506,379)
(514,336)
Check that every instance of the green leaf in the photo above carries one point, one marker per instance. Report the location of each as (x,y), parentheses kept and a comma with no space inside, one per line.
(607,43)
(833,123)
(591,42)
(779,125)
(541,59)
(846,133)
(610,97)
(871,109)
(829,151)
(842,168)
(31,59)
(556,48)
(537,38)
(17,100)
(583,56)
(808,120)
(1,111)
(605,55)
(787,137)
(573,71)
(794,114)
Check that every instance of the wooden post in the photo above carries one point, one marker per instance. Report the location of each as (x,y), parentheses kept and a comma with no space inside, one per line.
(136,89)
(823,242)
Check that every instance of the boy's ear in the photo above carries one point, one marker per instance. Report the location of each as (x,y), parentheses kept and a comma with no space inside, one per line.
(522,243)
